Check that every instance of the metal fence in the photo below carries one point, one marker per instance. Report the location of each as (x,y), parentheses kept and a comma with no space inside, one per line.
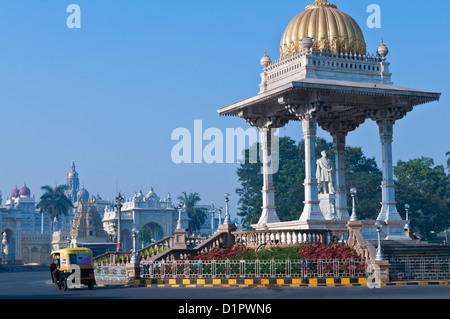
(254,268)
(421,268)
(110,273)
(401,269)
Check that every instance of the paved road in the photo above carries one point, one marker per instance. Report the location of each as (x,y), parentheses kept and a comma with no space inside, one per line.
(34,285)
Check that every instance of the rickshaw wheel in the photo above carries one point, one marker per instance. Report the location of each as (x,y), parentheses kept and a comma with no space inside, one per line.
(64,284)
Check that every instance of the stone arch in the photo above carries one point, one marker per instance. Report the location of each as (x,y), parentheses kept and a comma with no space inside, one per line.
(34,255)
(44,256)
(25,255)
(150,232)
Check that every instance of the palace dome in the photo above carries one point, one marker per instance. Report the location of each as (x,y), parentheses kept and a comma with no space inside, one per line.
(25,191)
(82,195)
(15,193)
(329,28)
(72,173)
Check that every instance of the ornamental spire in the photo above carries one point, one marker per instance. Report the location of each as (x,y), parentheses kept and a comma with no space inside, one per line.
(321,3)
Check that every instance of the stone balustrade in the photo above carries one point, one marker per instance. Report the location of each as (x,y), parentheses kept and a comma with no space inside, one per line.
(338,236)
(324,64)
(268,238)
(215,241)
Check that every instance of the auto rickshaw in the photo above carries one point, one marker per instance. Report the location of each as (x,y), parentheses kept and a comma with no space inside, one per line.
(72,266)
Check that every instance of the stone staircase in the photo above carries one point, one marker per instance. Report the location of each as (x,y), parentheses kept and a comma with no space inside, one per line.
(414,249)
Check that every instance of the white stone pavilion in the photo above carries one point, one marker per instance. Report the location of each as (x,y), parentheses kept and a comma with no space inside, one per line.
(326,78)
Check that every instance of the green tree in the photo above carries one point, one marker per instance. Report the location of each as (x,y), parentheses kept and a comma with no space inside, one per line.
(54,202)
(250,196)
(425,188)
(448,160)
(288,182)
(363,174)
(197,216)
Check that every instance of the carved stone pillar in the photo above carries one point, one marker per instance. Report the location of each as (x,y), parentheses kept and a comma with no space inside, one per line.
(306,113)
(266,127)
(269,214)
(388,209)
(385,119)
(311,210)
(341,191)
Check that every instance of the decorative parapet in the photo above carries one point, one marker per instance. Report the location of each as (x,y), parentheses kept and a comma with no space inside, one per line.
(326,65)
(259,238)
(36,238)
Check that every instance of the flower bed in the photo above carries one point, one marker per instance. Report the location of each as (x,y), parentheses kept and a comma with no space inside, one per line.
(320,251)
(303,251)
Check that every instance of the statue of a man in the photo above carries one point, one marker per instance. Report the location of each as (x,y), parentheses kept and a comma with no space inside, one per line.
(324,175)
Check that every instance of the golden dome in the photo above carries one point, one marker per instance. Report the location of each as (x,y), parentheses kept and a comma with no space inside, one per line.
(329,28)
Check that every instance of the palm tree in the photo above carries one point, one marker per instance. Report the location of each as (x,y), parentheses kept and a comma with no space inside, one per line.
(54,202)
(448,160)
(197,216)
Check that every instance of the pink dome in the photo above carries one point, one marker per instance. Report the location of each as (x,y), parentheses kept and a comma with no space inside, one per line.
(15,193)
(25,191)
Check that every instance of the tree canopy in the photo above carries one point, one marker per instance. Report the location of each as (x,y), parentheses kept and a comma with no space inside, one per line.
(425,187)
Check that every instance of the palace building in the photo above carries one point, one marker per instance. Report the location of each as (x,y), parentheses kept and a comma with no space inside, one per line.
(27,237)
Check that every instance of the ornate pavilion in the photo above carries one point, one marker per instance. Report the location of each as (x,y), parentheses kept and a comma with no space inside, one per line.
(325,77)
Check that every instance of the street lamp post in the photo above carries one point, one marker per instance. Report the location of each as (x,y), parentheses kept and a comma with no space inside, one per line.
(379,256)
(180,207)
(353,218)
(227,215)
(220,216)
(212,218)
(134,257)
(119,202)
(407,216)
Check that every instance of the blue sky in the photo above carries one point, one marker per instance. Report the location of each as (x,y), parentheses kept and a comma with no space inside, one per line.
(109,95)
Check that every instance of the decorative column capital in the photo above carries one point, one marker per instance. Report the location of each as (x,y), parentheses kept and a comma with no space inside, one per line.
(266,122)
(341,127)
(388,115)
(307,111)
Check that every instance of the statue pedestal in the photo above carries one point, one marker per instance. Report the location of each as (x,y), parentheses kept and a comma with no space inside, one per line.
(133,271)
(180,239)
(327,206)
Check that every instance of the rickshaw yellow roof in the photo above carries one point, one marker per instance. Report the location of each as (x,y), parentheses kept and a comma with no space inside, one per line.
(76,250)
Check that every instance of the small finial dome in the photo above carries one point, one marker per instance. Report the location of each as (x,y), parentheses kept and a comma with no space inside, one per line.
(382,51)
(265,60)
(307,44)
